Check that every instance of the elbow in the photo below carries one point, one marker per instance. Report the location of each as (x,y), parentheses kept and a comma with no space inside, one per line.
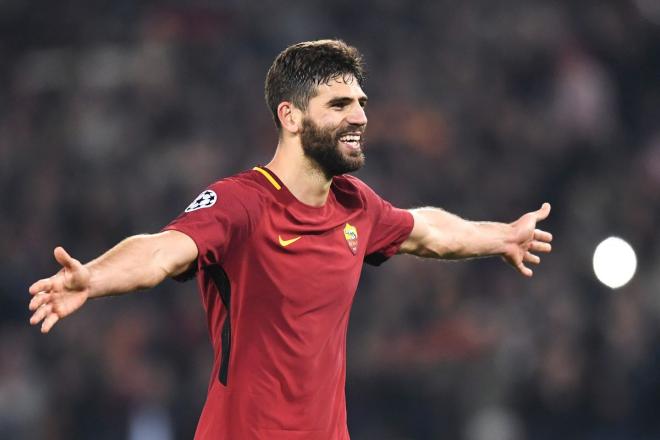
(152,268)
(154,277)
(165,266)
(442,252)
(444,247)
(162,267)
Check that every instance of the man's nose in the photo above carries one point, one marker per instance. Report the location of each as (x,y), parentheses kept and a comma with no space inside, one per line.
(357,116)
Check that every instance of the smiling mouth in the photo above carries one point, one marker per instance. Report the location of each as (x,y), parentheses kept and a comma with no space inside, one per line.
(352,140)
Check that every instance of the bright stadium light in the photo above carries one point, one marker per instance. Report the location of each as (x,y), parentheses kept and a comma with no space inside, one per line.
(614,262)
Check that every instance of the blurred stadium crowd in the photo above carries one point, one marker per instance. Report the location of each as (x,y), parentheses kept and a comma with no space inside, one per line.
(114,115)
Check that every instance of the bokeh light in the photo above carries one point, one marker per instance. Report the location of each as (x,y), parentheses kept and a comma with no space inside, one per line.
(614,262)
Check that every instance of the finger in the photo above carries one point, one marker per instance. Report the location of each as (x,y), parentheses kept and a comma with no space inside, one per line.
(542,236)
(49,322)
(40,314)
(526,271)
(531,258)
(43,285)
(38,300)
(540,246)
(543,212)
(64,258)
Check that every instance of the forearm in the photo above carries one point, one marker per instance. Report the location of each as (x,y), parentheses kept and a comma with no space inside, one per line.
(130,265)
(451,237)
(139,262)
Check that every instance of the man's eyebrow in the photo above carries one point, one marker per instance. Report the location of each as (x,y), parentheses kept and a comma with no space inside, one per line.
(345,100)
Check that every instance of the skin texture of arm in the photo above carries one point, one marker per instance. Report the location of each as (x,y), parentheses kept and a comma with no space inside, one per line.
(138,262)
(440,234)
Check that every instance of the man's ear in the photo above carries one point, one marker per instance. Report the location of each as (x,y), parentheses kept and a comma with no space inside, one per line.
(290,117)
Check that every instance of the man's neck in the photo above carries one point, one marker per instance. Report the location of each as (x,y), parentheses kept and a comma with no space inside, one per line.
(300,175)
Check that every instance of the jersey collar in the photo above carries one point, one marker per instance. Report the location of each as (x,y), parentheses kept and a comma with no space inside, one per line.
(281,192)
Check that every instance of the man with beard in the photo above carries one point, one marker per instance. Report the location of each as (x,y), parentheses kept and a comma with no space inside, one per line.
(277,252)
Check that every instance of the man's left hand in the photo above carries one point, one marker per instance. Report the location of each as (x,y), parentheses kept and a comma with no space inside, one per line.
(526,241)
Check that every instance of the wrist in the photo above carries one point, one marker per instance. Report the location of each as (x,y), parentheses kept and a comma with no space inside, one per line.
(93,281)
(508,238)
(502,238)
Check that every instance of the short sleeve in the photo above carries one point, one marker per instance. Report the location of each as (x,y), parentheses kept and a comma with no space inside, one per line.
(391,226)
(216,220)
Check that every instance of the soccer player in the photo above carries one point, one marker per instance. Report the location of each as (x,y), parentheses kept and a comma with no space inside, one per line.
(277,252)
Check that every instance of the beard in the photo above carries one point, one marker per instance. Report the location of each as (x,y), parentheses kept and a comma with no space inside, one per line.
(321,145)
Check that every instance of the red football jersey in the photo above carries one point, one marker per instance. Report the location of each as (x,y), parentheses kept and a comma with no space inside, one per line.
(277,279)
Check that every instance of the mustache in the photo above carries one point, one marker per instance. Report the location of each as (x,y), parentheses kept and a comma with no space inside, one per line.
(350,128)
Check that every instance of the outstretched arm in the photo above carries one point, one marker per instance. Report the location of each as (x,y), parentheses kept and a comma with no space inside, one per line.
(138,262)
(439,234)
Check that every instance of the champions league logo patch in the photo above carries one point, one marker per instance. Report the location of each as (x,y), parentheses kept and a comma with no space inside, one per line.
(204,200)
(351,236)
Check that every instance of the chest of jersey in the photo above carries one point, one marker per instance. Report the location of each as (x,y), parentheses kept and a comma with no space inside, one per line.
(303,265)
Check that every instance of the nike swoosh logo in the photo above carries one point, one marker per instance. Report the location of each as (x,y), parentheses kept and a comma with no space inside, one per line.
(285,243)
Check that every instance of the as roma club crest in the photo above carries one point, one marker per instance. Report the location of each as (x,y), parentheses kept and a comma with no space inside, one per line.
(351,236)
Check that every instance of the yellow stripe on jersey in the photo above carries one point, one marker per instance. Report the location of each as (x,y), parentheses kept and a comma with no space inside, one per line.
(270,178)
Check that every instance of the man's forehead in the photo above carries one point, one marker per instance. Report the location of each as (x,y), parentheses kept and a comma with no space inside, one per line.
(343,85)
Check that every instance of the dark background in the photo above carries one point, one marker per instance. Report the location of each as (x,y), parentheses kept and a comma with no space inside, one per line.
(114,115)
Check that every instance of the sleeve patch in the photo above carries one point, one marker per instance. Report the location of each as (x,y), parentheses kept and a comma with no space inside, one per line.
(205,200)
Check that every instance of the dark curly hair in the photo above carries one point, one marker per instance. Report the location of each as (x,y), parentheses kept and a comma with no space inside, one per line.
(299,69)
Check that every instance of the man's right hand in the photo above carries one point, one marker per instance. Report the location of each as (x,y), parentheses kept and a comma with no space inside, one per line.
(60,295)
(138,262)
